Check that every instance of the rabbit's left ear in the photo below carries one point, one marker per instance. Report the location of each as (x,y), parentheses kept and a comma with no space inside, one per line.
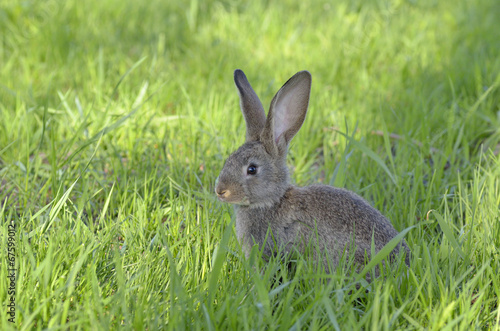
(287,113)
(255,117)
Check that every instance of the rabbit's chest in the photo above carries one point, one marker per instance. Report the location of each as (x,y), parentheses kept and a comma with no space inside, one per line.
(253,226)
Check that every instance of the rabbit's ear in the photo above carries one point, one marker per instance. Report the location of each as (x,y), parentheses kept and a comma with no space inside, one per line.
(252,109)
(287,113)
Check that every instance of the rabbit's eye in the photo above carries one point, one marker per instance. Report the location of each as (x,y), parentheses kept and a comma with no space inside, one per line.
(252,169)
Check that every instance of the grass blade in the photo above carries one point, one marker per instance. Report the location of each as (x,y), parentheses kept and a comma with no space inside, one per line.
(384,252)
(449,235)
(363,148)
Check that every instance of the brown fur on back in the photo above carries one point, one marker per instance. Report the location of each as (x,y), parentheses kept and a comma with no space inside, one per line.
(302,210)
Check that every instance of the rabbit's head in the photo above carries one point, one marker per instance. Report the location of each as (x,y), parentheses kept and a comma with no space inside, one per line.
(256,174)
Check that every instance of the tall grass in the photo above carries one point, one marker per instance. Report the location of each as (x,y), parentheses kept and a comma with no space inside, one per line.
(116,117)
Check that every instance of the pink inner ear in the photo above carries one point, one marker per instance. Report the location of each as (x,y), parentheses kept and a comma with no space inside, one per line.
(286,113)
(277,139)
(279,125)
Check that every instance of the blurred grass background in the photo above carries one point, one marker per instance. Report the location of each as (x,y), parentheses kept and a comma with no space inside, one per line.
(116,116)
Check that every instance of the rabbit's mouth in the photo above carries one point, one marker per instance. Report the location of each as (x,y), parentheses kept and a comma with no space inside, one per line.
(244,201)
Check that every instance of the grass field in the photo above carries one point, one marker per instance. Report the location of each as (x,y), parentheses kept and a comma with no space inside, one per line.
(116,117)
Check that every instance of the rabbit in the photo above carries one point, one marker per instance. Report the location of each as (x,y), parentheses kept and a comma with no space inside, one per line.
(256,180)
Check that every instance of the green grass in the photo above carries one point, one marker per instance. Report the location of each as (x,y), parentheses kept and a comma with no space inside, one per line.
(116,117)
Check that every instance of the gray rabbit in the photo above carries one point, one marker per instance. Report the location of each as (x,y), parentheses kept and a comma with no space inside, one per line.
(255,179)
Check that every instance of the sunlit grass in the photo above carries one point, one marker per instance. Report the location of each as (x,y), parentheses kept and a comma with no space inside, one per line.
(116,117)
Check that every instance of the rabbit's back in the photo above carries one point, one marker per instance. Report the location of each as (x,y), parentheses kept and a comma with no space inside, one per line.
(335,216)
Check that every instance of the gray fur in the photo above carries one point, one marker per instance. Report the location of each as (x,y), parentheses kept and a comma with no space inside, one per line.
(250,104)
(267,200)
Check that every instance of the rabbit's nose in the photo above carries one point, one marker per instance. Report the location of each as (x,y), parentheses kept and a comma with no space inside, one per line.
(222,193)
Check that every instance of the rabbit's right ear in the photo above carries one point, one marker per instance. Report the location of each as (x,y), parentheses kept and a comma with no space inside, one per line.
(287,113)
(251,107)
